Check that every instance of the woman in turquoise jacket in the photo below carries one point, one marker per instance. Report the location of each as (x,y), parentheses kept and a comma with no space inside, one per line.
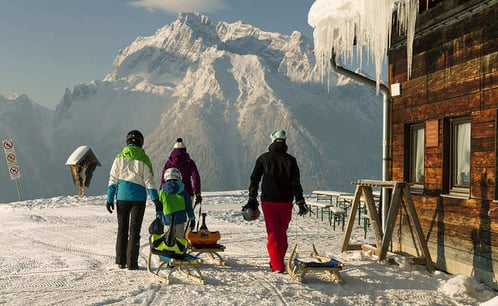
(131,178)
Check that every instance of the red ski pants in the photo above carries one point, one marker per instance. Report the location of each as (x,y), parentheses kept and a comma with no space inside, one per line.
(277,217)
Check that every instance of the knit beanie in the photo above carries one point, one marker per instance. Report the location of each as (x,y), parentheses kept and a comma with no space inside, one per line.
(278,135)
(179,144)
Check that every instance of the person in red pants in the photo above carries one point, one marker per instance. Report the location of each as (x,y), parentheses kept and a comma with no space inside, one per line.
(280,185)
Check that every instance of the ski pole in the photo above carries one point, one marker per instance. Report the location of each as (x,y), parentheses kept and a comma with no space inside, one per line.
(187,225)
(200,212)
(188,221)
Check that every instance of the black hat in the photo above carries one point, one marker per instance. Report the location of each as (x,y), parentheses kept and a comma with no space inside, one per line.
(135,137)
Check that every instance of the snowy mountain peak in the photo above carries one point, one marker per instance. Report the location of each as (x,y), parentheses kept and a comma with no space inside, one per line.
(223,88)
(193,20)
(165,57)
(19,98)
(13,96)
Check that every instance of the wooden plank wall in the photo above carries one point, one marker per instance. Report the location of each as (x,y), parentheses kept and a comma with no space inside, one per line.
(455,72)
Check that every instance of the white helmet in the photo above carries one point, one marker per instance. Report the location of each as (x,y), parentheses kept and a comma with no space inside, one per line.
(172,174)
(250,214)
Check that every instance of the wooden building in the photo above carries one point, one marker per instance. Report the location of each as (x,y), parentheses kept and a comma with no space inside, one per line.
(444,134)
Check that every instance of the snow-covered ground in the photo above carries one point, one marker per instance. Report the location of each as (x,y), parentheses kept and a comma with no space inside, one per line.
(60,251)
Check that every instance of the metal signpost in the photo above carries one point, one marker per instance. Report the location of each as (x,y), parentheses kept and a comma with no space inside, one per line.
(12,166)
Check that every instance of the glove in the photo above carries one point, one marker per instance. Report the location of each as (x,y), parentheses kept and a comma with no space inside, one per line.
(198,199)
(252,203)
(303,208)
(110,207)
(159,206)
(192,224)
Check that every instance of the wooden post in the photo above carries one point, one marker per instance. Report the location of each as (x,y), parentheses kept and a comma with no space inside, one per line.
(412,214)
(349,228)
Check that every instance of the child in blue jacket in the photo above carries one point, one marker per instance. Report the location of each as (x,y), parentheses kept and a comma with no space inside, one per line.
(176,202)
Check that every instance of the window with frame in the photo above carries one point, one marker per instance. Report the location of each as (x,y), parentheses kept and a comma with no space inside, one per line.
(417,146)
(460,155)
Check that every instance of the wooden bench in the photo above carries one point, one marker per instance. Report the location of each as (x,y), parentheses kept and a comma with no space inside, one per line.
(337,215)
(320,206)
(330,195)
(366,225)
(347,200)
(334,214)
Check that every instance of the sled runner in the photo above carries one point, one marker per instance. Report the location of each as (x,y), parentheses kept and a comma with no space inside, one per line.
(297,269)
(211,251)
(205,241)
(186,266)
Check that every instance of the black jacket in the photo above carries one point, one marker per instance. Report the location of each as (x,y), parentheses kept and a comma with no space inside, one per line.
(280,173)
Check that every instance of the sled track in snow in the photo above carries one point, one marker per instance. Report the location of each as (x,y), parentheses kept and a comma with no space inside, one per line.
(270,280)
(31,275)
(13,283)
(46,280)
(59,249)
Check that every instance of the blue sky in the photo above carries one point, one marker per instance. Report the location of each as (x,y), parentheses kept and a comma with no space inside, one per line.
(48,45)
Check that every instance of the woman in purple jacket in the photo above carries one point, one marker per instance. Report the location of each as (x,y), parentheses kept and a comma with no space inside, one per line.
(180,159)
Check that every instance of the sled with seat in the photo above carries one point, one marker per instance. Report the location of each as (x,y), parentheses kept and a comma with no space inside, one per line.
(171,253)
(297,268)
(187,266)
(204,241)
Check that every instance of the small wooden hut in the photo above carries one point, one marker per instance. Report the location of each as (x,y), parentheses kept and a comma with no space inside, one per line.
(82,163)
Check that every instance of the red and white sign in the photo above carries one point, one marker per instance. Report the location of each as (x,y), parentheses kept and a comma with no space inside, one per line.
(8,144)
(10,156)
(14,172)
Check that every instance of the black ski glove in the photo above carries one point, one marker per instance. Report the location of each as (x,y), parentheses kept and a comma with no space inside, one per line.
(198,199)
(303,208)
(110,207)
(252,203)
(158,205)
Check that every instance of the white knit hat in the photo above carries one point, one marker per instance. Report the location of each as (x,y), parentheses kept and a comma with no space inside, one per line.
(280,134)
(179,144)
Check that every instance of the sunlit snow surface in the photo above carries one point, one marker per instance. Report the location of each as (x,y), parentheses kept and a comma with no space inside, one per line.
(60,251)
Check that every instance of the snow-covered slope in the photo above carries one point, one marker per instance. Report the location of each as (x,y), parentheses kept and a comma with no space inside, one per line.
(223,88)
(70,261)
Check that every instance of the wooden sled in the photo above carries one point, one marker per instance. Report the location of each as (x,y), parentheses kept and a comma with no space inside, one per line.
(186,266)
(211,251)
(205,241)
(297,269)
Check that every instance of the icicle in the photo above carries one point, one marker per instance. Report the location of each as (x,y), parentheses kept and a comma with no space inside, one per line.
(410,33)
(334,32)
(340,24)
